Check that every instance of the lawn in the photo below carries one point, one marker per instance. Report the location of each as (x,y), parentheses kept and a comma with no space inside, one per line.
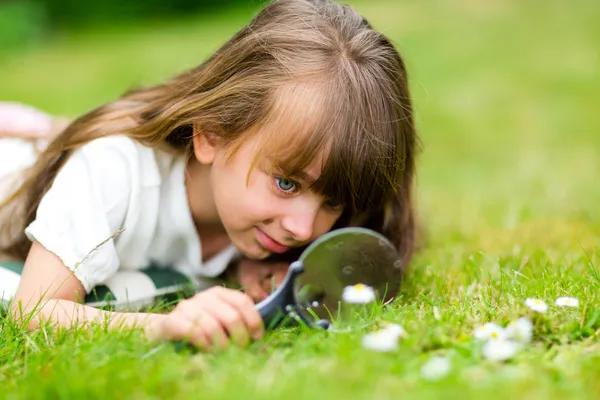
(506,96)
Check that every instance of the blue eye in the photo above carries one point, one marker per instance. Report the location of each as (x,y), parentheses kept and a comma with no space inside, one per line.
(286,185)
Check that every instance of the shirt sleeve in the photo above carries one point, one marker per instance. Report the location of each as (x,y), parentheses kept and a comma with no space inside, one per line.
(86,205)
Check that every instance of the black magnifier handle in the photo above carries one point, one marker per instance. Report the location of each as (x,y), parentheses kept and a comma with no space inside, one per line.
(282,303)
(278,305)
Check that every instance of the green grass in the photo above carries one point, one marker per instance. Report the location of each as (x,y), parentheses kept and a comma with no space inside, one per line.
(506,97)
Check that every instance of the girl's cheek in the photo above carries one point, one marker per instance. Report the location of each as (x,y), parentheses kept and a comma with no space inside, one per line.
(263,201)
(257,189)
(322,226)
(324,223)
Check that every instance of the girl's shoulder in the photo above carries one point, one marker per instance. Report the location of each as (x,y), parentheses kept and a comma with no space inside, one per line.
(121,152)
(115,145)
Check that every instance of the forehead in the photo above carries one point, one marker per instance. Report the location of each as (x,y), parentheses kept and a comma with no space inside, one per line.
(281,155)
(297,132)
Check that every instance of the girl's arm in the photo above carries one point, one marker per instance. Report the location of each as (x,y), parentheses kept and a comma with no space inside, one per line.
(50,291)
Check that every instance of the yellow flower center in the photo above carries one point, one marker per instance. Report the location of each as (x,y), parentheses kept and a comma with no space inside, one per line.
(359,287)
(495,335)
(537,302)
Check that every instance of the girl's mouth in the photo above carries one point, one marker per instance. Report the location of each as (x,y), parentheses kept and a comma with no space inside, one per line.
(269,243)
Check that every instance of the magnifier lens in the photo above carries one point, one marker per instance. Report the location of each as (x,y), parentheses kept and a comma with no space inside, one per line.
(315,304)
(310,299)
(310,295)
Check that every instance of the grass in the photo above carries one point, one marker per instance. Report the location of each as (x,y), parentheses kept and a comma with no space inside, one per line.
(506,103)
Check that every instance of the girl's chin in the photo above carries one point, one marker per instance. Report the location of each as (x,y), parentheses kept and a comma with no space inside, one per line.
(255,252)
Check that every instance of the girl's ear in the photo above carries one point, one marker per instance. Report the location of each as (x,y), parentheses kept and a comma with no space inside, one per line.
(205,146)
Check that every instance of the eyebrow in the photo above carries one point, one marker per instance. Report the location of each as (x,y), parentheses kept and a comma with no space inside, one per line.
(306,177)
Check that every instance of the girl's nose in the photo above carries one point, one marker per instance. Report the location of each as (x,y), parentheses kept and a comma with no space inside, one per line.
(300,220)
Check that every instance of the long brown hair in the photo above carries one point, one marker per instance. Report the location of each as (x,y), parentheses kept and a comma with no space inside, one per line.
(310,75)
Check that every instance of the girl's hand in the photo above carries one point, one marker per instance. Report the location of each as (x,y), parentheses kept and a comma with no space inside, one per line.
(211,319)
(258,279)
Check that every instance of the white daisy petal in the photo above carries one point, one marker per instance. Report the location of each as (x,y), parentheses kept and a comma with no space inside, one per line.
(436,368)
(520,330)
(536,305)
(395,329)
(567,302)
(358,294)
(500,350)
(488,331)
(381,341)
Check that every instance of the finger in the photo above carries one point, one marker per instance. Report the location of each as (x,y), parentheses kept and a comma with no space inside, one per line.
(179,327)
(213,330)
(247,310)
(199,338)
(253,288)
(256,292)
(202,329)
(230,319)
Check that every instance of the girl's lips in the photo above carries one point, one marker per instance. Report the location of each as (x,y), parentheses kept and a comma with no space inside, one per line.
(269,243)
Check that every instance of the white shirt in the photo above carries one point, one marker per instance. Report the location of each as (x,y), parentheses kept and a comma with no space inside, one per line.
(116,183)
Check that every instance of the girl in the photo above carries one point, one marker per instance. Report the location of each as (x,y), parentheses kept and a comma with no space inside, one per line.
(301,123)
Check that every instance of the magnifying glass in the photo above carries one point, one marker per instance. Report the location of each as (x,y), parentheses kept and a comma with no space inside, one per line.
(312,291)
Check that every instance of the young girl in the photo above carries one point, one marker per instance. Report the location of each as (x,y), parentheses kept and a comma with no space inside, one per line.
(299,124)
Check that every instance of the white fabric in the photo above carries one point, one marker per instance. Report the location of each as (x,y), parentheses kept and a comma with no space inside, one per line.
(9,281)
(131,287)
(15,155)
(117,183)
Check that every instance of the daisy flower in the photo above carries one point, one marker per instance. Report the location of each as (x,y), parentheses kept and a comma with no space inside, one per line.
(358,294)
(385,339)
(395,329)
(536,305)
(489,331)
(382,341)
(567,302)
(500,350)
(520,330)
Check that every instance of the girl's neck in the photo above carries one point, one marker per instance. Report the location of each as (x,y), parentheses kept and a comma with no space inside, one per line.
(203,209)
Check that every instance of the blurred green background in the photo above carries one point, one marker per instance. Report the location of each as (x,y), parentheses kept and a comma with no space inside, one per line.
(23,22)
(506,94)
